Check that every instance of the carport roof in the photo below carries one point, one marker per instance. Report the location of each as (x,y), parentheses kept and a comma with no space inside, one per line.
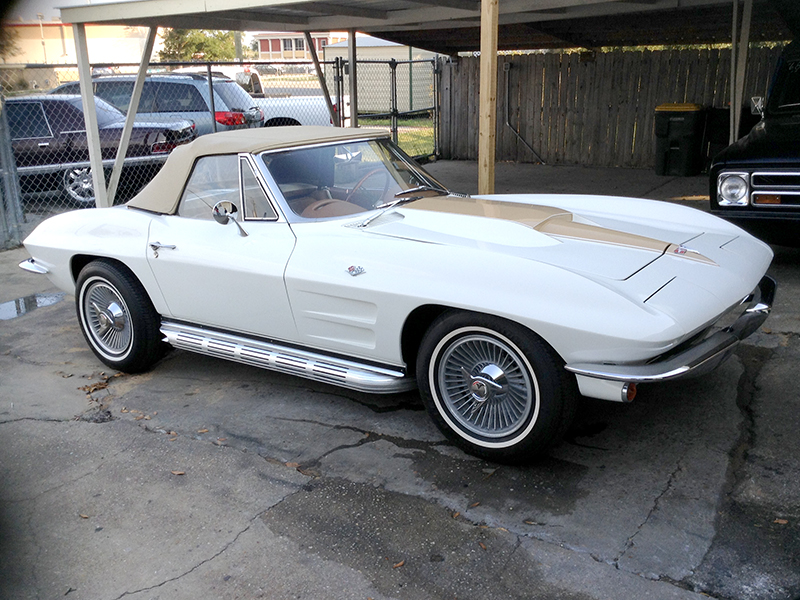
(450,26)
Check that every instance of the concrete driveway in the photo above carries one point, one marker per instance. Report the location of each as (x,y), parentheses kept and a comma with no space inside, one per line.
(207,479)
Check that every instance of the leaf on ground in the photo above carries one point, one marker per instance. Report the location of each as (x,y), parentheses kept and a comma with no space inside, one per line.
(202,431)
(781,522)
(398,565)
(482,545)
(82,516)
(178,472)
(456,515)
(474,504)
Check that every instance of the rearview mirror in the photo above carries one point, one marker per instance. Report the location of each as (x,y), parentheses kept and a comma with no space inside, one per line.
(223,213)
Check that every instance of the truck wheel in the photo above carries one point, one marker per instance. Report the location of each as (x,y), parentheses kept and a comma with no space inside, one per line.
(117,318)
(492,387)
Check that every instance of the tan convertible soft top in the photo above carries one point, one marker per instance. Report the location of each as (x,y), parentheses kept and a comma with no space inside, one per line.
(163,193)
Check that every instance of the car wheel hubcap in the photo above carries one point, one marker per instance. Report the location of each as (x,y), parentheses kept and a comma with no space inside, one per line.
(486,386)
(79,185)
(107,318)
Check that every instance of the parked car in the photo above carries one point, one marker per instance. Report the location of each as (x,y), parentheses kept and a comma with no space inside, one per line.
(279,109)
(48,137)
(329,254)
(755,182)
(167,97)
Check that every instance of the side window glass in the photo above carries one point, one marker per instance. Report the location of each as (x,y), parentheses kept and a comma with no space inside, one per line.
(116,93)
(26,120)
(177,97)
(70,88)
(213,179)
(255,201)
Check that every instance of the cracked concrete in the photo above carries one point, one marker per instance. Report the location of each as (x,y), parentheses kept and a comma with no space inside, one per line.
(215,480)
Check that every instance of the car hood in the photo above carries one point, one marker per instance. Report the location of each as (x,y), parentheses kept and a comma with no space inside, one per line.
(773,140)
(601,245)
(654,254)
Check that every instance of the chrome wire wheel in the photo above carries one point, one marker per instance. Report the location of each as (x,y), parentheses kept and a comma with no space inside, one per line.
(485,384)
(494,388)
(107,319)
(79,186)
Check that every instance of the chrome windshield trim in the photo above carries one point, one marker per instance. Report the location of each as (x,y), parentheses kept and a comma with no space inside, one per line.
(699,358)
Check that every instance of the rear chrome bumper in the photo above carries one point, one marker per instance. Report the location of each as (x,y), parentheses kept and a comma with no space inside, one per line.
(698,358)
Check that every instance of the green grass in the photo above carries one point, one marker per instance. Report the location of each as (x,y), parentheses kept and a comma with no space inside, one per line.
(414,135)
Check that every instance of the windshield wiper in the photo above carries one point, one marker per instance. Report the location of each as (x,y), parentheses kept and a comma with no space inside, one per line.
(406,197)
(422,189)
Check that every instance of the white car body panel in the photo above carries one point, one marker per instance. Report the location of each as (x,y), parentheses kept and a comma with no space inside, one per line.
(631,316)
(216,277)
(602,280)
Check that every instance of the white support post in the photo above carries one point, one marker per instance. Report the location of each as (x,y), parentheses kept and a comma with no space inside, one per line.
(741,66)
(131,117)
(90,115)
(487,115)
(734,41)
(322,83)
(351,59)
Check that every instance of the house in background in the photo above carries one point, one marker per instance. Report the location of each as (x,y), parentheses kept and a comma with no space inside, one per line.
(41,38)
(52,43)
(285,46)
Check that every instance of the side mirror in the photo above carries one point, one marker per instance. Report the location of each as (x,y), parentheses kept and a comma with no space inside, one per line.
(757,105)
(223,213)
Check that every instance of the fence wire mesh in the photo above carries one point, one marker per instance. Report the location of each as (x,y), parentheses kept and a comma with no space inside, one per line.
(180,101)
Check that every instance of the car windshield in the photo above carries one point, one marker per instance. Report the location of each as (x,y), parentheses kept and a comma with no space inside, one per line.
(785,97)
(344,178)
(233,95)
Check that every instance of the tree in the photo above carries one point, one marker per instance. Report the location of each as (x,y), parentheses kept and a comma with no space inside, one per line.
(8,43)
(197,44)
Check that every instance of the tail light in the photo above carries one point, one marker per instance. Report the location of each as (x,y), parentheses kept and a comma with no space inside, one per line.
(229,118)
(163,147)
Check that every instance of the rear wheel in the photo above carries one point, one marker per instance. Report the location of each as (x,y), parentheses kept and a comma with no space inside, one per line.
(79,187)
(117,318)
(492,387)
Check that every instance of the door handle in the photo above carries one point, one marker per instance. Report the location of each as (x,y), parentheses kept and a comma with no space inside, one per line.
(156,246)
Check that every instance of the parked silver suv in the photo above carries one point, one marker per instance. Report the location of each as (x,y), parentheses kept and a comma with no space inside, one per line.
(167,97)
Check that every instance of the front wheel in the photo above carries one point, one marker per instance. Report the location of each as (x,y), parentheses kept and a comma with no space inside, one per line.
(493,388)
(117,318)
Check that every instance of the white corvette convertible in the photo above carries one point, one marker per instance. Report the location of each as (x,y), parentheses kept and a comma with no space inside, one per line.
(328,254)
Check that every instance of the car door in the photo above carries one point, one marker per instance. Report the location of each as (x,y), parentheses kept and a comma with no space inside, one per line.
(225,276)
(32,138)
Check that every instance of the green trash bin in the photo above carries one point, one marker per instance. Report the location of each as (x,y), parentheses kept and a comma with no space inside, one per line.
(679,139)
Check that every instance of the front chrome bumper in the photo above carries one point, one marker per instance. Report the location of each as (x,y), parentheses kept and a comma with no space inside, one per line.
(698,358)
(31,266)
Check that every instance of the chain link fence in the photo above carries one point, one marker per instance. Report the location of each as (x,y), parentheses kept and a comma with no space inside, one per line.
(43,111)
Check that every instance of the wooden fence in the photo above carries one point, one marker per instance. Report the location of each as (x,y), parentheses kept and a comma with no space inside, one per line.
(587,108)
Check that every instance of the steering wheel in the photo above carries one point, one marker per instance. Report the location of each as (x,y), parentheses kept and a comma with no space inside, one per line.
(357,186)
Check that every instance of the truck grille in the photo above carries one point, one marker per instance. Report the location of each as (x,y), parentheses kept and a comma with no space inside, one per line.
(775,189)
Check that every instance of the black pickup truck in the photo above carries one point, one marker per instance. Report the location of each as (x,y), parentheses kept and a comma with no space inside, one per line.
(755,182)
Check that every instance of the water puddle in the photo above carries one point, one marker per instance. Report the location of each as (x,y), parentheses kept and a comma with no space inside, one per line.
(22,306)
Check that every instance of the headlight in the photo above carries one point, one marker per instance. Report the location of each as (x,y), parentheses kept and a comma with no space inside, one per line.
(732,189)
